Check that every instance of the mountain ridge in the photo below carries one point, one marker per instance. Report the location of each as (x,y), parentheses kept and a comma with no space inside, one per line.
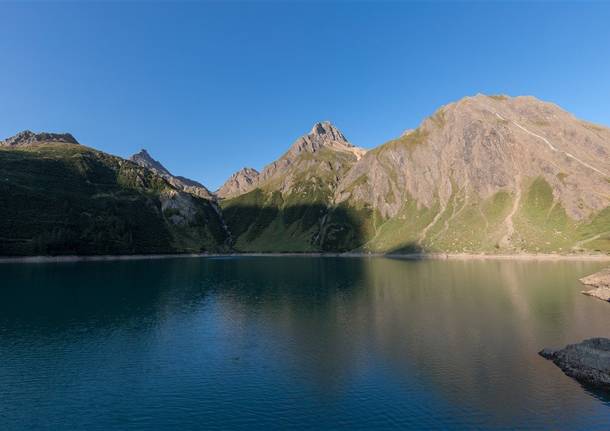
(63,199)
(144,159)
(27,138)
(485,174)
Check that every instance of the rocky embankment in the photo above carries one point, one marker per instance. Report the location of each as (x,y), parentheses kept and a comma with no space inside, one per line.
(600,281)
(588,361)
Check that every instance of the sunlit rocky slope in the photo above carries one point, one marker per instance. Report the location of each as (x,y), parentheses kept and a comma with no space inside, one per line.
(485,174)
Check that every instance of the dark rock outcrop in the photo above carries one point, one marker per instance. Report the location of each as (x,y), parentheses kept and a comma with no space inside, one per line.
(588,361)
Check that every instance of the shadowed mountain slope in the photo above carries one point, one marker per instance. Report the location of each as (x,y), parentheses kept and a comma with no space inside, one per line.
(61,198)
(144,159)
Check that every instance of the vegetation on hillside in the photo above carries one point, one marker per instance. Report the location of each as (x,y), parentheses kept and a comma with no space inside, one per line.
(70,199)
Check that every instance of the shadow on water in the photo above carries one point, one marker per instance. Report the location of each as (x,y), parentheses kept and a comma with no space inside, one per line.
(57,295)
(600,394)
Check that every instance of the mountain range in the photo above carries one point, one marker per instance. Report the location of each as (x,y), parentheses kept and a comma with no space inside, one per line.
(486,174)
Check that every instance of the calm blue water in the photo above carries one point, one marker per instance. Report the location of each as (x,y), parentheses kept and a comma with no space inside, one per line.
(294,343)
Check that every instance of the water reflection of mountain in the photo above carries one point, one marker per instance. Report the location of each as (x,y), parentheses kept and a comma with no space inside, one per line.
(456,336)
(469,330)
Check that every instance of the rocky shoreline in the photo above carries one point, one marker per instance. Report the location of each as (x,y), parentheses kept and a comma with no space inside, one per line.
(600,281)
(588,361)
(410,256)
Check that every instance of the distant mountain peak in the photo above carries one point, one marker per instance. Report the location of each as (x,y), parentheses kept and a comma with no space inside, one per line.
(322,135)
(240,182)
(27,137)
(144,159)
(326,130)
(143,153)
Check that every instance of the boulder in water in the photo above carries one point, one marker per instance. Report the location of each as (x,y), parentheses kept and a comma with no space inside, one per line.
(588,361)
(601,283)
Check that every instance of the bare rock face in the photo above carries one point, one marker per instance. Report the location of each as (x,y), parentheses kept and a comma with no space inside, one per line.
(323,134)
(27,138)
(239,183)
(601,285)
(178,206)
(588,361)
(532,162)
(481,145)
(144,159)
(324,144)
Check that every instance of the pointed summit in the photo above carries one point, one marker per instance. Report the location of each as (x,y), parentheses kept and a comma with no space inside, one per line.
(144,159)
(323,135)
(28,137)
(323,153)
(326,130)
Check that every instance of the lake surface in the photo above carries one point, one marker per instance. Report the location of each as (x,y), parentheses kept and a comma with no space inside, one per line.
(294,342)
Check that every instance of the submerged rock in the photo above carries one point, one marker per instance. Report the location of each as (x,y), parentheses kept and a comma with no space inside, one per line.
(601,283)
(588,361)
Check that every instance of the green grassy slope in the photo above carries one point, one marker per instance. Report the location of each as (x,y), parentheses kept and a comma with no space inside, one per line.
(264,221)
(302,218)
(70,199)
(541,225)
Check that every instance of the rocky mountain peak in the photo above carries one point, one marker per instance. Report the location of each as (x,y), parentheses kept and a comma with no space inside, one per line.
(144,159)
(240,182)
(322,135)
(326,130)
(143,153)
(28,137)
(246,171)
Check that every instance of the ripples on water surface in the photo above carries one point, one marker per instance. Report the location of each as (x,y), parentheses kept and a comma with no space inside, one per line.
(294,342)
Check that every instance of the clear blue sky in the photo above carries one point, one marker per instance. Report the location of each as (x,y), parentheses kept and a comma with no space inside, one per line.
(210,87)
